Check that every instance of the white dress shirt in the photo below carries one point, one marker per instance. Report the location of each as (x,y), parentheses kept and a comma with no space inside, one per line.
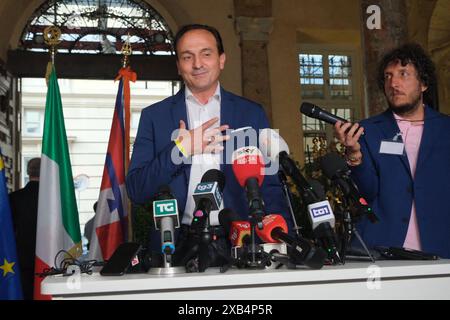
(198,114)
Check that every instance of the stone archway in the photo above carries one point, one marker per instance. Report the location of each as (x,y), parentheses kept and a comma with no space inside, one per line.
(81,56)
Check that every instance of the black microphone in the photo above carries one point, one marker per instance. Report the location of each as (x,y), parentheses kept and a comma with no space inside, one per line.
(313,111)
(276,149)
(207,197)
(335,168)
(290,169)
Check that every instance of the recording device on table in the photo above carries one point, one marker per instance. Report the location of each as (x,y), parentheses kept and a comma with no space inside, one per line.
(396,253)
(319,210)
(123,260)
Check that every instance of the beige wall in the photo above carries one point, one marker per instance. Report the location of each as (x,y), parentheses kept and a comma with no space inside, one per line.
(298,22)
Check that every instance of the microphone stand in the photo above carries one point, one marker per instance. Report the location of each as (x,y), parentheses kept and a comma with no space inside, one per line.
(200,233)
(288,196)
(256,212)
(254,250)
(205,240)
(349,230)
(353,230)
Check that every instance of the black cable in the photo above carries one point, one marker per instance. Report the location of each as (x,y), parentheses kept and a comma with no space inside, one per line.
(69,260)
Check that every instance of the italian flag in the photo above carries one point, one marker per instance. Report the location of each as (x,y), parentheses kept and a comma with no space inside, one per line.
(58,227)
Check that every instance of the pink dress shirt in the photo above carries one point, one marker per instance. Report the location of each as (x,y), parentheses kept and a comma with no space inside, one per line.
(411,135)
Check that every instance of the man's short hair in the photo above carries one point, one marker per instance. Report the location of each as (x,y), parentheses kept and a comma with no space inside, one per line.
(190,27)
(34,167)
(411,53)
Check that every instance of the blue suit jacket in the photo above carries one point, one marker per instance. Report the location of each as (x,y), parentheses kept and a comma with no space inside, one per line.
(151,165)
(386,181)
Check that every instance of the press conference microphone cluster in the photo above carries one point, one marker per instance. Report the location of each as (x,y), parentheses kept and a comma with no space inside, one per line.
(274,146)
(301,251)
(277,150)
(335,168)
(239,232)
(355,206)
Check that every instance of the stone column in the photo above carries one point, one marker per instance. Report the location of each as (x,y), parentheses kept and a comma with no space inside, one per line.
(392,33)
(254,25)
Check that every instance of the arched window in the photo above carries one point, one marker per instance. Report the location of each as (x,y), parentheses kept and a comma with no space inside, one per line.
(100,27)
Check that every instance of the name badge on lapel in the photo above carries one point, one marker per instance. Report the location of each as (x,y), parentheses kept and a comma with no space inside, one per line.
(394,146)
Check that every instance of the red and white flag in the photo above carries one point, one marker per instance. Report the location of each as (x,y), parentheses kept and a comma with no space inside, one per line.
(111,222)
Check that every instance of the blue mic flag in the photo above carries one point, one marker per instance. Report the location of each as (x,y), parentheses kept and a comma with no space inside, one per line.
(10,285)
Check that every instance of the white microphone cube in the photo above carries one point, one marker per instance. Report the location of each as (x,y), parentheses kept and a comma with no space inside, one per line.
(208,190)
(320,212)
(163,209)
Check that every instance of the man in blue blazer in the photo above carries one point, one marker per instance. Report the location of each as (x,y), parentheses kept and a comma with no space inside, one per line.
(194,111)
(402,162)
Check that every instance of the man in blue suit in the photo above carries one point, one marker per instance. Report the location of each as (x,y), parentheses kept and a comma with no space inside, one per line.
(199,113)
(402,162)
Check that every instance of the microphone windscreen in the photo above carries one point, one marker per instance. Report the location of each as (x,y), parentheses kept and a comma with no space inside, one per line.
(271,143)
(226,217)
(163,193)
(308,109)
(214,175)
(248,162)
(317,188)
(270,222)
(332,164)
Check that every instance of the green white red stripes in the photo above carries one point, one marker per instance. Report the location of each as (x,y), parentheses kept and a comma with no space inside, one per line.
(58,226)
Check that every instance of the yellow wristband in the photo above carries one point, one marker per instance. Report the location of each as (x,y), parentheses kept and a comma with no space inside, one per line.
(180,147)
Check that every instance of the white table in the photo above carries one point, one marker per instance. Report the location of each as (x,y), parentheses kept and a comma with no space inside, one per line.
(354,280)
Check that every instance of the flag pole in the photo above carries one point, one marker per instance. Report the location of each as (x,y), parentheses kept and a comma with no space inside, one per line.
(58,235)
(52,37)
(126,52)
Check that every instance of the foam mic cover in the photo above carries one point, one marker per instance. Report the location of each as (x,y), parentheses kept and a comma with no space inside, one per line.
(335,168)
(317,188)
(270,223)
(214,175)
(332,164)
(271,144)
(239,231)
(163,193)
(248,162)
